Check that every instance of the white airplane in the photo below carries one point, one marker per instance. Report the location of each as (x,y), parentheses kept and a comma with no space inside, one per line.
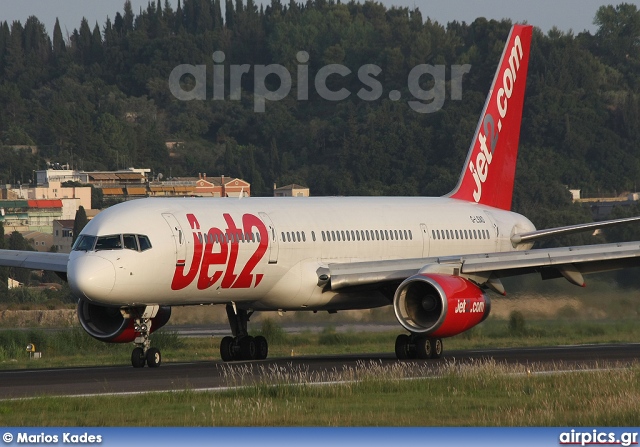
(433,259)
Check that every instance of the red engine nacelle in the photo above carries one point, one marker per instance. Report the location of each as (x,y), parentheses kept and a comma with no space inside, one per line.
(440,305)
(109,325)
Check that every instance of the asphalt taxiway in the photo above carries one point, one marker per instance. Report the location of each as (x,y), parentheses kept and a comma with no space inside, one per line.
(218,375)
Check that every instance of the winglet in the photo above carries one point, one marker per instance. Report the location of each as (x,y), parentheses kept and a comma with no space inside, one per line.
(490,168)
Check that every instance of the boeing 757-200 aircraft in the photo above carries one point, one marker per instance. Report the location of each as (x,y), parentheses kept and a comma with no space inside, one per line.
(433,259)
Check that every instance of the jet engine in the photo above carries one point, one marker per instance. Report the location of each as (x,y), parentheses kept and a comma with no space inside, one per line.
(108,324)
(440,305)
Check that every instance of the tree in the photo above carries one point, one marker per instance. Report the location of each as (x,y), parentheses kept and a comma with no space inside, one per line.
(96,45)
(18,242)
(204,21)
(128,18)
(619,31)
(97,198)
(82,42)
(58,39)
(229,13)
(3,270)
(79,222)
(217,14)
(5,38)
(59,47)
(14,58)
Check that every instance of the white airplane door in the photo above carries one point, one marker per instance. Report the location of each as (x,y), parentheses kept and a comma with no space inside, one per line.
(178,236)
(273,238)
(425,240)
(495,233)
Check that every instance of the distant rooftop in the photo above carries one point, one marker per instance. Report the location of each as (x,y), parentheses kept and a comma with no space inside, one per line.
(290,187)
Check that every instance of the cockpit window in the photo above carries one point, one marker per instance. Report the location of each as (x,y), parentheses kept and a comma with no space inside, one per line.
(113,242)
(144,242)
(130,242)
(84,243)
(135,242)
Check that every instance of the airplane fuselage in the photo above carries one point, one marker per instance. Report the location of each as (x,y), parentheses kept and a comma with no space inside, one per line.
(265,252)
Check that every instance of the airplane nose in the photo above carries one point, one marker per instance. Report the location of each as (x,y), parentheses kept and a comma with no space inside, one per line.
(91,277)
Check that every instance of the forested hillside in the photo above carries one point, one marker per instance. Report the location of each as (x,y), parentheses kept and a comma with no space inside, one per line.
(99,99)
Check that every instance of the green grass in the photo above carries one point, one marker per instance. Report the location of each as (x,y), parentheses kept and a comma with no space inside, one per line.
(483,393)
(69,347)
(369,394)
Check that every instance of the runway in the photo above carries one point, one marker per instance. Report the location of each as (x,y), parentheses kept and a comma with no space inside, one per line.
(218,375)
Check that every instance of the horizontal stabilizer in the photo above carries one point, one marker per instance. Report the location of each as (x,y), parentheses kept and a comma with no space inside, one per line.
(522,238)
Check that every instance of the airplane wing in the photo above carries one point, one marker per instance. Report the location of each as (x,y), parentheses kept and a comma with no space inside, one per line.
(34,260)
(486,269)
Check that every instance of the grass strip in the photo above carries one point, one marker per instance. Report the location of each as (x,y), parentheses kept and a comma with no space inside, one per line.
(73,347)
(484,393)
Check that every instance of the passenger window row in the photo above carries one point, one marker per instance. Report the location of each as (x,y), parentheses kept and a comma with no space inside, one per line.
(367,235)
(349,235)
(225,238)
(296,236)
(460,234)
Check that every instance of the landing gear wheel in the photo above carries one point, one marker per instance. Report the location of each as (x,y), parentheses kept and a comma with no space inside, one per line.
(248,348)
(402,347)
(137,358)
(436,353)
(242,346)
(226,349)
(154,358)
(262,347)
(142,321)
(424,348)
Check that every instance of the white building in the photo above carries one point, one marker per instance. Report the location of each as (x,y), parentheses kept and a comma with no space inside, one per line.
(60,176)
(72,197)
(40,241)
(292,190)
(63,235)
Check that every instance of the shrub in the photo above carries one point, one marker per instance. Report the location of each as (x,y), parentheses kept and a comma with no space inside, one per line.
(272,331)
(164,339)
(517,323)
(329,336)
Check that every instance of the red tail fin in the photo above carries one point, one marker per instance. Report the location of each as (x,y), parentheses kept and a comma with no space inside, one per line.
(490,168)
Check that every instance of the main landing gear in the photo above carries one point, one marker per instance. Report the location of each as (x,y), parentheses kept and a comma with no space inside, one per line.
(416,346)
(242,346)
(143,352)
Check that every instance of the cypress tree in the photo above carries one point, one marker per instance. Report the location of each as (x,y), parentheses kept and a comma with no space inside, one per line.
(128,17)
(217,14)
(79,222)
(3,270)
(229,14)
(96,45)
(59,46)
(83,42)
(179,24)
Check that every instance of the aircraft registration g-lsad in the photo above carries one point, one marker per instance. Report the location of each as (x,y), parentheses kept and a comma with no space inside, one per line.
(433,259)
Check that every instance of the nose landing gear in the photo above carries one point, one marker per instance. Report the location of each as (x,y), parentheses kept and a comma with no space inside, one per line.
(143,353)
